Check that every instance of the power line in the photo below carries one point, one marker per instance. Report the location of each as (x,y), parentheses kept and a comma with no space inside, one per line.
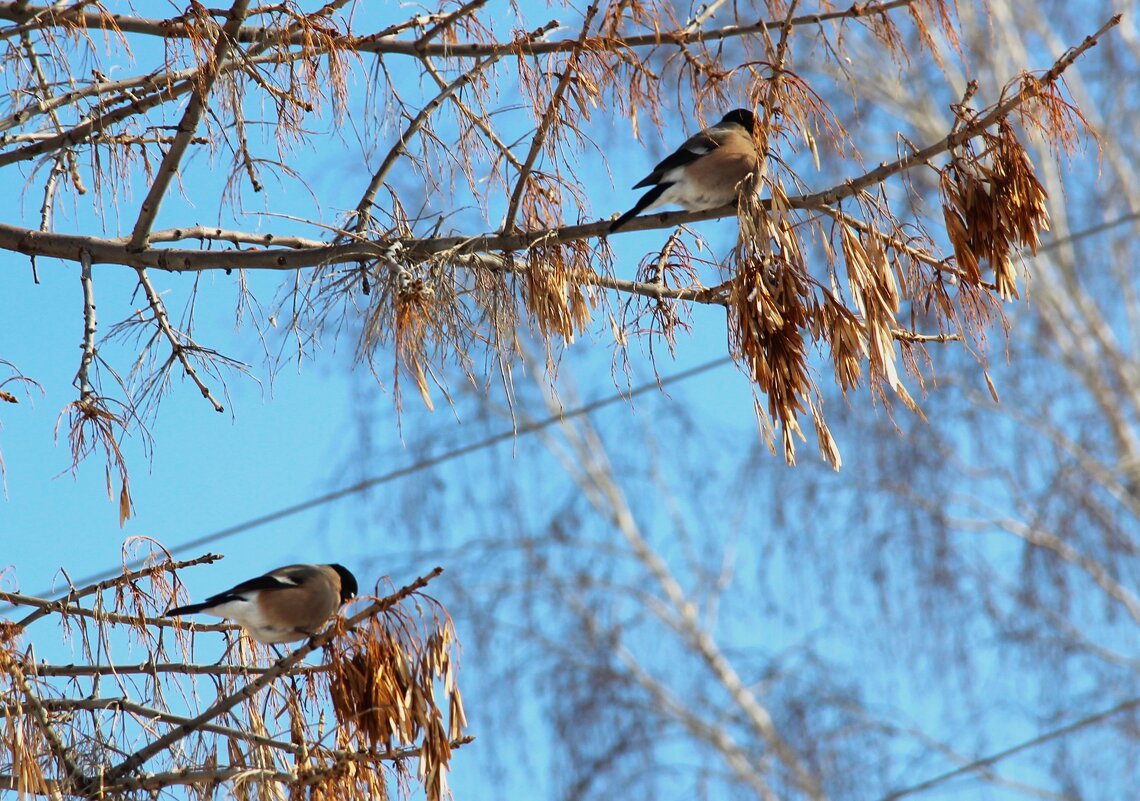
(417,467)
(1033,742)
(495,439)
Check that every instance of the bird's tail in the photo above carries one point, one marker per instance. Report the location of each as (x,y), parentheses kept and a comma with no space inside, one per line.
(189,609)
(646,200)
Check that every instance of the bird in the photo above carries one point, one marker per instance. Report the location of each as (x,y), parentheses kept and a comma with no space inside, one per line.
(704,172)
(284,605)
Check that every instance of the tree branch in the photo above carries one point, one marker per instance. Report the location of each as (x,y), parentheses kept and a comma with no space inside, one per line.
(607,496)
(186,128)
(63,607)
(386,42)
(988,761)
(62,604)
(58,749)
(115,251)
(364,207)
(98,122)
(179,349)
(151,668)
(549,117)
(82,380)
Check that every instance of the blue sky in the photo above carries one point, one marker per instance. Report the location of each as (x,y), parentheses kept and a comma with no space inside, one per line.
(288,439)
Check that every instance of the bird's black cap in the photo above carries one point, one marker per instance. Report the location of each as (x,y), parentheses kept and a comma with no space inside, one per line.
(348,585)
(742,117)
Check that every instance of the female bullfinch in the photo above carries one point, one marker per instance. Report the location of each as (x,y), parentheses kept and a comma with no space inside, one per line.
(704,172)
(285,605)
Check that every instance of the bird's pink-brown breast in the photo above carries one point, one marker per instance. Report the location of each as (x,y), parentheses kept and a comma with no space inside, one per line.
(714,179)
(305,607)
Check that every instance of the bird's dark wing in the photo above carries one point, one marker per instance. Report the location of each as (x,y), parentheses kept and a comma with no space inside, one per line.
(694,147)
(281,579)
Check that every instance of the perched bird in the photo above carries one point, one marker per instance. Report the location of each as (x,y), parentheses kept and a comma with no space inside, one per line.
(286,604)
(704,172)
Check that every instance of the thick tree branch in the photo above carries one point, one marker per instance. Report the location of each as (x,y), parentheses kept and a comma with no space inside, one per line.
(38,17)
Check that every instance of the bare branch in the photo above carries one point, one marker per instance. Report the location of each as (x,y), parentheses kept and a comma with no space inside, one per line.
(1033,742)
(62,604)
(364,207)
(186,128)
(59,750)
(552,114)
(64,607)
(152,668)
(180,346)
(82,377)
(33,17)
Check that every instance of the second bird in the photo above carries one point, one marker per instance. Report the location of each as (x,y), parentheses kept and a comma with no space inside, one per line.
(287,604)
(704,172)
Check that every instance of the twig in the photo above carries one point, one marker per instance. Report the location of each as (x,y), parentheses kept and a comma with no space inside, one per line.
(895,243)
(61,604)
(1100,574)
(112,93)
(478,120)
(958,136)
(141,710)
(178,349)
(988,761)
(67,156)
(902,335)
(101,704)
(82,380)
(703,15)
(364,207)
(678,609)
(63,607)
(59,750)
(186,128)
(549,117)
(151,668)
(211,776)
(449,21)
(97,122)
